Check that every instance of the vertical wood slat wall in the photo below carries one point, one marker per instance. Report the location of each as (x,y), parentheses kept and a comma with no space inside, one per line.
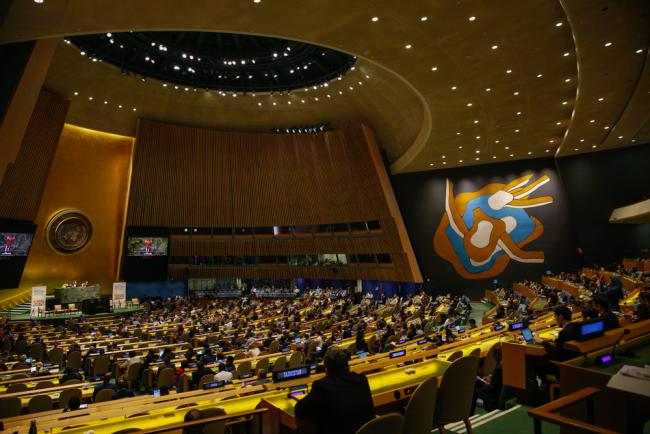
(193,177)
(22,186)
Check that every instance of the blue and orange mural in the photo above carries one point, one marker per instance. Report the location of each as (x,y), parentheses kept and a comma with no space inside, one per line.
(480,232)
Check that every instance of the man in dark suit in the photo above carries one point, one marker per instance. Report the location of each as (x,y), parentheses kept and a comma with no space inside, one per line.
(148,249)
(340,403)
(602,307)
(569,331)
(106,384)
(201,370)
(643,310)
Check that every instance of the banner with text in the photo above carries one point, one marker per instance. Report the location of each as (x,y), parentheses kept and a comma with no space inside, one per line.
(119,294)
(38,300)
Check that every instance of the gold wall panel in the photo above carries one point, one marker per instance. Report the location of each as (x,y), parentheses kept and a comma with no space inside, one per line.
(90,172)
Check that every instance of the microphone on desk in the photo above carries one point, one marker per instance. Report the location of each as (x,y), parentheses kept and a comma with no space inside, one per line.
(625,332)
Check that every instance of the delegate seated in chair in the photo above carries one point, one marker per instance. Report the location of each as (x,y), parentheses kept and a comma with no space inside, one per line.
(341,402)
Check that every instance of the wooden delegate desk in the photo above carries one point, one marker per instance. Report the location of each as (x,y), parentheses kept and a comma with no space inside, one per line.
(386,388)
(572,289)
(613,409)
(517,361)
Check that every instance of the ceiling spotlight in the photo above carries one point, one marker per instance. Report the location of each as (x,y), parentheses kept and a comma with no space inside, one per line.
(476,121)
(453,88)
(478,152)
(469,104)
(566,54)
(592,121)
(434,68)
(472,18)
(487,89)
(430,164)
(515,93)
(76,93)
(494,156)
(564,103)
(566,80)
(608,44)
(508,71)
(424,18)
(558,24)
(518,113)
(512,155)
(601,99)
(119,106)
(105,102)
(606,127)
(639,51)
(507,147)
(374,19)
(257,1)
(134,109)
(90,98)
(444,156)
(494,47)
(539,75)
(38,1)
(408,46)
(593,146)
(259,104)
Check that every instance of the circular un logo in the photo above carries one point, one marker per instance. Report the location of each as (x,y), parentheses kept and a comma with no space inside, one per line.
(68,232)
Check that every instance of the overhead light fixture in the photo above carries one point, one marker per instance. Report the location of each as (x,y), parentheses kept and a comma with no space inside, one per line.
(434,68)
(423,18)
(566,54)
(508,71)
(558,24)
(374,19)
(472,18)
(639,51)
(408,46)
(601,98)
(494,47)
(608,44)
(539,76)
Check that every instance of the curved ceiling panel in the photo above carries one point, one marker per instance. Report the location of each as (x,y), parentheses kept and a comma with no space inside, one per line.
(449,83)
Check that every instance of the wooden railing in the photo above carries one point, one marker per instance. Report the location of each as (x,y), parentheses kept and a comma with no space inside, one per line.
(548,413)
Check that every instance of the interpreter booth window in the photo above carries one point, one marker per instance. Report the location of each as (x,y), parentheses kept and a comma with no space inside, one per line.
(268,260)
(282,231)
(373,225)
(359,227)
(297,260)
(222,233)
(304,231)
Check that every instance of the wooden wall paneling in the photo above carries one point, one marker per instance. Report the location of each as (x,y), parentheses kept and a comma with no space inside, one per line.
(22,186)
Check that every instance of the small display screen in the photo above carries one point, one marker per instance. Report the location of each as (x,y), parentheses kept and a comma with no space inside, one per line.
(290,374)
(606,358)
(362,354)
(527,334)
(15,244)
(156,393)
(297,393)
(498,327)
(249,375)
(147,246)
(422,341)
(401,341)
(395,354)
(592,327)
(214,385)
(517,326)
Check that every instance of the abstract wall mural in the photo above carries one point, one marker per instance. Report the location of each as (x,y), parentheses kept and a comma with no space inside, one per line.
(480,232)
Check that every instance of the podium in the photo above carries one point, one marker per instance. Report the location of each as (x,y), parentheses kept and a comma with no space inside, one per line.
(76,294)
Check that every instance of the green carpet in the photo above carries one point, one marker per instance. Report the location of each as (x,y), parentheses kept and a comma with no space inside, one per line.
(512,421)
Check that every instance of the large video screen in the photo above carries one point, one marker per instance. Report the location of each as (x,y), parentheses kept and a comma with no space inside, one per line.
(147,246)
(15,243)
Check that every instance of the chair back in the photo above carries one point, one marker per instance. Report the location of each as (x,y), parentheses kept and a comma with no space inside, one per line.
(66,395)
(19,375)
(240,355)
(476,352)
(133,372)
(167,377)
(454,401)
(56,356)
(39,403)
(21,347)
(16,387)
(44,385)
(311,349)
(104,395)
(74,360)
(295,360)
(36,351)
(490,362)
(72,381)
(262,364)
(101,365)
(455,356)
(280,363)
(418,417)
(274,347)
(243,368)
(391,423)
(214,427)
(207,378)
(10,407)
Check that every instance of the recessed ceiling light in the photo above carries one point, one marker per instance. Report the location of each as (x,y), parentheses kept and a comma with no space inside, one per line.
(518,113)
(434,68)
(105,102)
(558,123)
(620,137)
(460,147)
(593,146)
(478,151)
(592,121)
(476,121)
(257,1)
(408,46)
(487,89)
(564,103)
(374,19)
(496,141)
(567,80)
(444,162)
(259,104)
(460,161)
(453,88)
(494,47)
(551,140)
(517,130)
(566,54)
(608,44)
(548,150)
(558,24)
(601,98)
(38,1)
(275,103)
(539,76)
(582,140)
(472,18)
(76,93)
(134,109)
(575,149)
(478,137)
(458,133)
(512,155)
(444,156)
(529,152)
(515,93)
(639,51)
(508,71)
(477,158)
(119,106)
(90,98)
(430,164)
(507,147)
(494,156)
(606,127)
(469,104)
(302,101)
(423,18)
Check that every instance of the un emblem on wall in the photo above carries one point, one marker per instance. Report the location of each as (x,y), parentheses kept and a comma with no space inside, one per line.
(68,232)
